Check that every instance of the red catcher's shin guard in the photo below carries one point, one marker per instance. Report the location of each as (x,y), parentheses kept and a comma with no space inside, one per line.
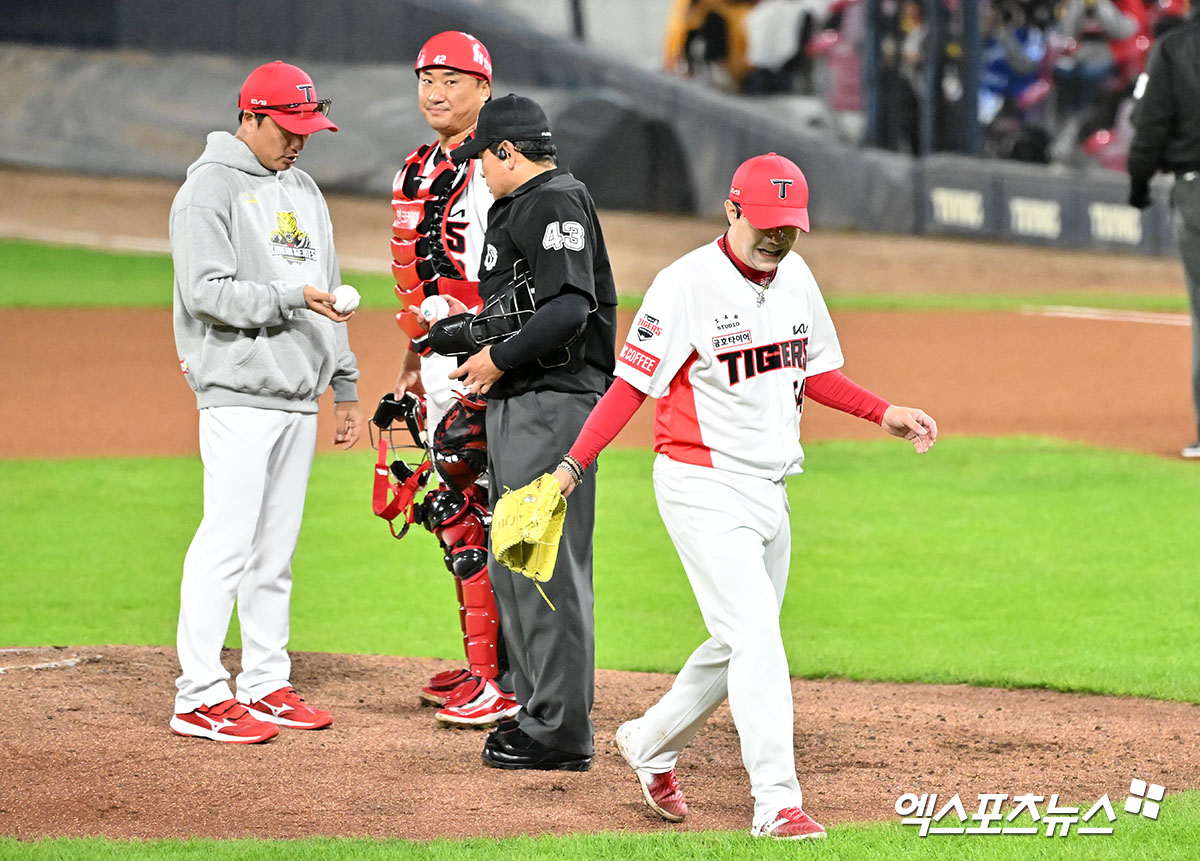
(483,625)
(462,608)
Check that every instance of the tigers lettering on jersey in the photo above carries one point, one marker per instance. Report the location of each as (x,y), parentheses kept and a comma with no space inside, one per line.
(635,358)
(764,359)
(648,327)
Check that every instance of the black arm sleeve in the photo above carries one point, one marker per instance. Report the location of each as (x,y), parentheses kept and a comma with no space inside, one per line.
(1153,118)
(551,327)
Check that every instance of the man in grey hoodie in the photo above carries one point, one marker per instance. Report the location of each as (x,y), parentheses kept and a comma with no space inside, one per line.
(258,340)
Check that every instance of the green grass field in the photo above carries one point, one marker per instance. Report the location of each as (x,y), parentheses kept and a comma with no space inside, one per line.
(70,277)
(1034,552)
(1011,562)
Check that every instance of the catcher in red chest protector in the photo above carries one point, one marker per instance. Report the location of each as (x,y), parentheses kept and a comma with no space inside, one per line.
(440,213)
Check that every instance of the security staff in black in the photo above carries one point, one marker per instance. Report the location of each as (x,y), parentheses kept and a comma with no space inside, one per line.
(1166,123)
(542,350)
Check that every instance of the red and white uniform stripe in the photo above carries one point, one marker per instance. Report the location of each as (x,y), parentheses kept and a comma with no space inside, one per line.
(727,371)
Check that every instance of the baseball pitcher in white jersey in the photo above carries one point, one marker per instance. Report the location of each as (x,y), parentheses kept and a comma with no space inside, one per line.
(730,339)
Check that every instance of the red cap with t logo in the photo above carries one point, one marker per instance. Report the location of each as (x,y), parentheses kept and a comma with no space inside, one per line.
(772,192)
(287,95)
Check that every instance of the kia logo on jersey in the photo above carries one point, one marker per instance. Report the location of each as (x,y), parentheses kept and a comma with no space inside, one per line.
(647,327)
(782,185)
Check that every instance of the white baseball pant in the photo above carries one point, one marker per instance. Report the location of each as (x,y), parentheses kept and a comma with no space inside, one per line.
(733,536)
(439,388)
(256,469)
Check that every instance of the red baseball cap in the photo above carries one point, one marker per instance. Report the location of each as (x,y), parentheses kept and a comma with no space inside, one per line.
(454,49)
(287,95)
(772,192)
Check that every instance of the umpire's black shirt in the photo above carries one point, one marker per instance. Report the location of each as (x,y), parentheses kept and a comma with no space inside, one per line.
(550,223)
(1166,118)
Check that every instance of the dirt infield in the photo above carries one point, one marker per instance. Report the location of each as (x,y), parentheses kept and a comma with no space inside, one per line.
(86,748)
(87,751)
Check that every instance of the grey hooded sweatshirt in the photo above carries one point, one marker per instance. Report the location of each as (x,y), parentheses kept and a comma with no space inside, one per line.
(245,240)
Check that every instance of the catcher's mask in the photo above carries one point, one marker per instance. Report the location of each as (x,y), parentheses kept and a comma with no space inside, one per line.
(409,470)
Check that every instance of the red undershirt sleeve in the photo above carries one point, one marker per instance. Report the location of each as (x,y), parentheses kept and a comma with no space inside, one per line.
(835,389)
(612,413)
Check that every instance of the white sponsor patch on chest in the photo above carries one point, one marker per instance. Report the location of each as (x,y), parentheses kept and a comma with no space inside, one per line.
(732,339)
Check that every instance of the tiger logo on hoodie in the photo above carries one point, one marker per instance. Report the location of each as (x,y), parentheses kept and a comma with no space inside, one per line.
(289,241)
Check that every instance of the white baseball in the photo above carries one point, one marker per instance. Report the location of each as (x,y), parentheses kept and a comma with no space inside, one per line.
(347,299)
(433,309)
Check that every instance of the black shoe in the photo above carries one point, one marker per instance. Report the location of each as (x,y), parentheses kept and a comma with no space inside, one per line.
(515,750)
(504,727)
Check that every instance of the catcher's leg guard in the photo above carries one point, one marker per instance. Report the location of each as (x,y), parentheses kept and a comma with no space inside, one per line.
(461,527)
(482,618)
(462,607)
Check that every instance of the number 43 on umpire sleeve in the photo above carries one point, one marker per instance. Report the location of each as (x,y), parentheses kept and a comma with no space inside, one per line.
(568,235)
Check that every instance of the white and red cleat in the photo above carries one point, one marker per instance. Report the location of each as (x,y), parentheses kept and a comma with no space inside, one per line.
(287,708)
(226,721)
(479,704)
(660,791)
(791,823)
(443,685)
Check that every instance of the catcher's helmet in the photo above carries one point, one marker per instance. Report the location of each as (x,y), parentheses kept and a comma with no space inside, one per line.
(454,49)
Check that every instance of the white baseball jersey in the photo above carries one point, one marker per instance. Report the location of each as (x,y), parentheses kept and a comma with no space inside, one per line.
(728,372)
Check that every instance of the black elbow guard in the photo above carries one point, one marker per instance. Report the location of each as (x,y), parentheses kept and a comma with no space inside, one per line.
(452,336)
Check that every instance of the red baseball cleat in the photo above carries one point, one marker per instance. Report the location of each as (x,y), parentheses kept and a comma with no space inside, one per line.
(660,791)
(287,708)
(791,823)
(443,685)
(227,721)
(479,705)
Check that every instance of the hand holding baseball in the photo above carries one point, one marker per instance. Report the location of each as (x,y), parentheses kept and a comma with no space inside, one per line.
(434,308)
(318,300)
(347,299)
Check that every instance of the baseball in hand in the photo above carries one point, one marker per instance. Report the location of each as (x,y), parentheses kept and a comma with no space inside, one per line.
(347,299)
(433,309)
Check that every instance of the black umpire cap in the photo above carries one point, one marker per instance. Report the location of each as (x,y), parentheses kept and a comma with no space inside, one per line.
(509,118)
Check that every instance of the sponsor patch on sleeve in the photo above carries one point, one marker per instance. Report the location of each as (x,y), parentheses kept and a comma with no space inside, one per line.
(638,360)
(647,327)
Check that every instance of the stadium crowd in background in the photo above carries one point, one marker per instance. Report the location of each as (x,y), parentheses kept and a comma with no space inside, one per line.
(1056,77)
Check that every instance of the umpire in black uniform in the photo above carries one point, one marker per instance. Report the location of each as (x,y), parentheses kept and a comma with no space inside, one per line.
(542,350)
(1166,122)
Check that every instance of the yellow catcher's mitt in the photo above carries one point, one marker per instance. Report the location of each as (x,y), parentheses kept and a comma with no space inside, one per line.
(527,524)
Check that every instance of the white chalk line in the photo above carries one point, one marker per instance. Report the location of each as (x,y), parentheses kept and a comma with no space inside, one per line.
(1159,318)
(52,665)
